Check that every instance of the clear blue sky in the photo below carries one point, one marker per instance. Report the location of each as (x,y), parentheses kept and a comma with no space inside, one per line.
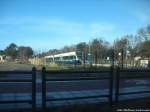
(47,24)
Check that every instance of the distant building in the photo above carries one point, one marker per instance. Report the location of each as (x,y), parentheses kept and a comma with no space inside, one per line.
(36,61)
(8,58)
(137,58)
(2,58)
(144,63)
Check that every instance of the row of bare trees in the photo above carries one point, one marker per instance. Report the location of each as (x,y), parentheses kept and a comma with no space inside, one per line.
(98,49)
(136,45)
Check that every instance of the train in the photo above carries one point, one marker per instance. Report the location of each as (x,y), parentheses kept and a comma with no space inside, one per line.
(65,58)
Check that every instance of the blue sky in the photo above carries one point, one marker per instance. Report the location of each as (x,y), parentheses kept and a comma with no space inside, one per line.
(48,24)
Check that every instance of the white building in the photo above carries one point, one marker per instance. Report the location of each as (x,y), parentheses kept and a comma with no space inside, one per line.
(144,63)
(2,58)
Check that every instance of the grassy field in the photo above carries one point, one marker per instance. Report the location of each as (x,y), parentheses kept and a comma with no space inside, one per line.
(13,67)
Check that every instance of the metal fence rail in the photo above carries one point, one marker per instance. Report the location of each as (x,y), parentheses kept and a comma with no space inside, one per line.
(85,76)
(33,81)
(129,74)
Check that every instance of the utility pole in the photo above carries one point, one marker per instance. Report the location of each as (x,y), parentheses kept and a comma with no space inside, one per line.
(90,55)
(122,58)
(113,58)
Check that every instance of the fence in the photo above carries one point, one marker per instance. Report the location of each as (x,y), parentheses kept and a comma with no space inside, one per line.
(129,74)
(46,79)
(33,81)
(87,75)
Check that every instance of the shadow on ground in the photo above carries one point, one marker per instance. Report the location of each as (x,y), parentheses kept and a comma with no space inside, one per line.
(133,105)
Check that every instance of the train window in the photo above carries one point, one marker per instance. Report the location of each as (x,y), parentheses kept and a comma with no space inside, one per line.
(72,57)
(49,59)
(65,58)
(57,58)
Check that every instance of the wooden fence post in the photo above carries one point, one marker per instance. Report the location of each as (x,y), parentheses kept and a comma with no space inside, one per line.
(111,85)
(43,90)
(33,89)
(117,84)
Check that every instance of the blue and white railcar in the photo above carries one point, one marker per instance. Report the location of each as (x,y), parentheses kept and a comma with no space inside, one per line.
(66,58)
